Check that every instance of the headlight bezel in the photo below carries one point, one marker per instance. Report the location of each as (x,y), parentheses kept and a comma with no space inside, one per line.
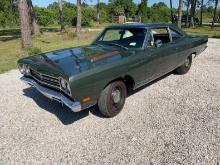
(64,85)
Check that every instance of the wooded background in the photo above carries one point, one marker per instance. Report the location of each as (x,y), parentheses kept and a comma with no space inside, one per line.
(22,13)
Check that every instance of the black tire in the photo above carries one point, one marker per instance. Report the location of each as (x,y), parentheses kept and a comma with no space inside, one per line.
(110,104)
(183,69)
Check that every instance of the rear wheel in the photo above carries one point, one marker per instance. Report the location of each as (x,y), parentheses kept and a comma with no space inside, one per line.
(112,99)
(183,69)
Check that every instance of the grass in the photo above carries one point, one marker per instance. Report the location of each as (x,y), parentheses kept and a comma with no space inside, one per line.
(204,30)
(10,48)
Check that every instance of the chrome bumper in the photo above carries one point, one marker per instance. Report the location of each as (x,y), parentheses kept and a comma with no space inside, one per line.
(53,95)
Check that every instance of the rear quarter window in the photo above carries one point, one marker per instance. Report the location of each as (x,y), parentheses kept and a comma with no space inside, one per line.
(175,34)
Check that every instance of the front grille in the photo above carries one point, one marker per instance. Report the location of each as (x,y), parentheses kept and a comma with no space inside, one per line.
(45,79)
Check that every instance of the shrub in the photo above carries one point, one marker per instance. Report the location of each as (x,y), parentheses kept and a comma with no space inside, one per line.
(71,35)
(33,51)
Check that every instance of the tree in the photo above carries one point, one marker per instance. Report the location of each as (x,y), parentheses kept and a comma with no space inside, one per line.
(179,22)
(98,11)
(60,6)
(46,16)
(159,12)
(171,11)
(201,12)
(8,13)
(215,13)
(35,28)
(142,10)
(192,12)
(78,17)
(187,3)
(119,7)
(26,40)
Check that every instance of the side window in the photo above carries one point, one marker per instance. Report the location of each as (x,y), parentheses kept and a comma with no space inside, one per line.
(158,34)
(175,35)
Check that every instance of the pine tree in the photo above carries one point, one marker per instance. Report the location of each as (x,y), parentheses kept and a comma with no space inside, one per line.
(78,21)
(26,39)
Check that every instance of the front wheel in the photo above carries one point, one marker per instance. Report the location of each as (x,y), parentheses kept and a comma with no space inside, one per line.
(112,99)
(183,69)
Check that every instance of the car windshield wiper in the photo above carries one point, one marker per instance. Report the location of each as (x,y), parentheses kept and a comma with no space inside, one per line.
(97,44)
(121,46)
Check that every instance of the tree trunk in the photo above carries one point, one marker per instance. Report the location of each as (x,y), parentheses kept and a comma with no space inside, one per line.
(192,24)
(171,11)
(35,28)
(179,22)
(187,13)
(98,12)
(26,40)
(215,12)
(60,5)
(201,12)
(78,21)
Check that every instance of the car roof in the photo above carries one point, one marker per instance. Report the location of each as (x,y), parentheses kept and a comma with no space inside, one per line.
(140,25)
(147,25)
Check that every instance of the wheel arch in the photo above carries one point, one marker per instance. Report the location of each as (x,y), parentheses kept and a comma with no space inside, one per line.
(127,79)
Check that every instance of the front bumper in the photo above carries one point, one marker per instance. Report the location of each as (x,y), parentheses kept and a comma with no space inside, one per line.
(75,106)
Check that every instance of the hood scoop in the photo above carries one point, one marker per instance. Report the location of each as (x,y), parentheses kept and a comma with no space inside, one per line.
(103,56)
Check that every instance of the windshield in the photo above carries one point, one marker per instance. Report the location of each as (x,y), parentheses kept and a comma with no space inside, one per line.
(124,38)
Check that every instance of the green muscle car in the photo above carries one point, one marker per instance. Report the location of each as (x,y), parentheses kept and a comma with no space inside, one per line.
(121,59)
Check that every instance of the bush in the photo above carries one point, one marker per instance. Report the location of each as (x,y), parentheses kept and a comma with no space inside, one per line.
(46,17)
(71,35)
(33,51)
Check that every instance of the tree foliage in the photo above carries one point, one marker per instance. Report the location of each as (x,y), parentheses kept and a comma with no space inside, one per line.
(159,12)
(9,13)
(122,7)
(142,10)
(49,16)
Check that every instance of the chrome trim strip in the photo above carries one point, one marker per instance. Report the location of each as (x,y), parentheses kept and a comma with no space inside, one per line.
(75,106)
(44,74)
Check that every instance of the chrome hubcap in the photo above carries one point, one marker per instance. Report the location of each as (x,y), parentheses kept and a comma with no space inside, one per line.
(116,96)
(187,62)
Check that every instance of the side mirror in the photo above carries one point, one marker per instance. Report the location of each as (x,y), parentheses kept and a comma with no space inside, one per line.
(158,43)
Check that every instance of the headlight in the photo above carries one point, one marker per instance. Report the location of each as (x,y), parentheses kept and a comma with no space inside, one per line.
(24,69)
(64,85)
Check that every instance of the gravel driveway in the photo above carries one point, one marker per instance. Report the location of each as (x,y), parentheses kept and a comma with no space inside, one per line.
(175,120)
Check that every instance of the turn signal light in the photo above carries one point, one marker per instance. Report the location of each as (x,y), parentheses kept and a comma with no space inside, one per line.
(86,99)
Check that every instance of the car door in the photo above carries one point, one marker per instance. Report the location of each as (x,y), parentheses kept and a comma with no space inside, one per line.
(161,56)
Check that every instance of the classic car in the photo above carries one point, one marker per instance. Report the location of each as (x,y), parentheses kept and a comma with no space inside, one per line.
(121,59)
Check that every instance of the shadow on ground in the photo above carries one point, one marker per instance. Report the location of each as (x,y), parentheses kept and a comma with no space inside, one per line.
(11,34)
(63,113)
(218,36)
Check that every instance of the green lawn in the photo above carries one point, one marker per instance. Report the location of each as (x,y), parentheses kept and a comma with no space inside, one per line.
(204,30)
(51,39)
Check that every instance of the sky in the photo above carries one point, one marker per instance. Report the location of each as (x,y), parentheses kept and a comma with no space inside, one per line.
(44,3)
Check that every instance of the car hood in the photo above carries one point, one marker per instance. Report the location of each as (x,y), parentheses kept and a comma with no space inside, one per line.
(72,61)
